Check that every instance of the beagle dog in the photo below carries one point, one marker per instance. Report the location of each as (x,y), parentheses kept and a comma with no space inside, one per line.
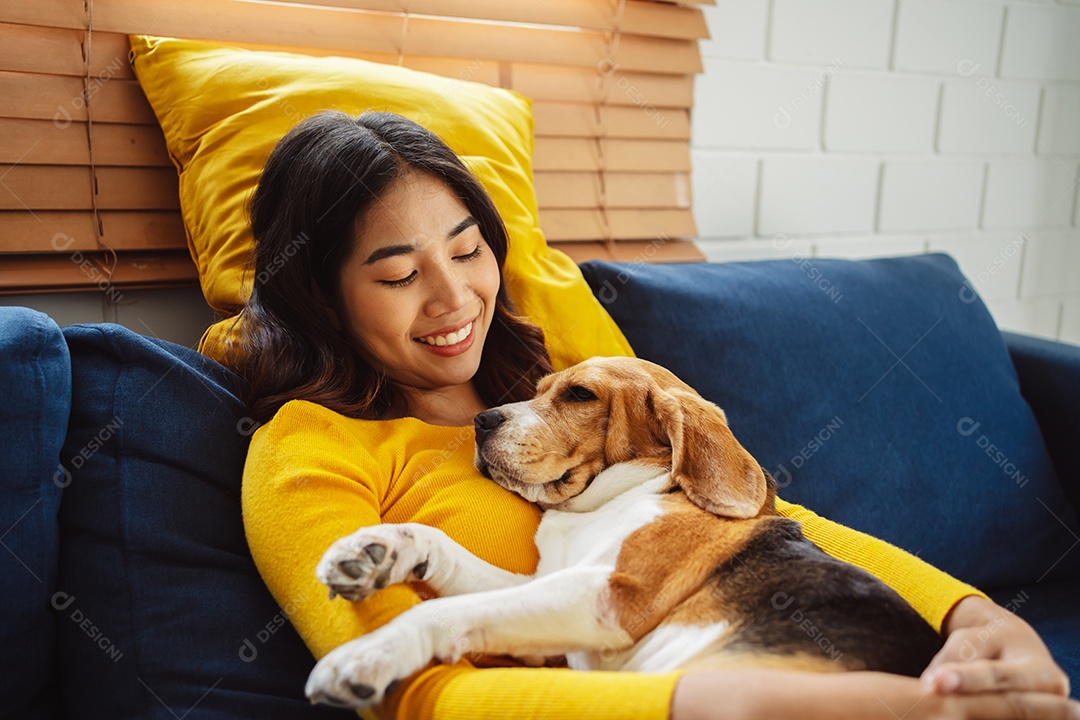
(660,549)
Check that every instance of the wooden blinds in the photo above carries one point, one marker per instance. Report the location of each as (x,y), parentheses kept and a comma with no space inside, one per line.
(88,196)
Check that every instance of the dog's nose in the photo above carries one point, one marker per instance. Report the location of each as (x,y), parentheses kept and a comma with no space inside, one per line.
(486,422)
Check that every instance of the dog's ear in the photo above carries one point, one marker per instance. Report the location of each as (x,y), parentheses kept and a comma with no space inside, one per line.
(707,462)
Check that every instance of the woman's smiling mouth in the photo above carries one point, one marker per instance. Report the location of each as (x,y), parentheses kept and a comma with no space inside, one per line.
(448,339)
(451,343)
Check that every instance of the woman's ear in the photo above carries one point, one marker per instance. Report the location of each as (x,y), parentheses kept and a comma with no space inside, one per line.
(716,472)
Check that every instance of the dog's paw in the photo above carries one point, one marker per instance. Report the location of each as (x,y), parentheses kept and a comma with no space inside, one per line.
(358,565)
(362,672)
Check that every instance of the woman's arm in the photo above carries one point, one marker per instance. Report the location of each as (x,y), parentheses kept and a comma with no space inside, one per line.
(769,694)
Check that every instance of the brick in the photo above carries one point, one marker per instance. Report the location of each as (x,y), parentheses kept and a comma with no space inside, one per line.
(991,262)
(725,193)
(941,35)
(746,107)
(880,114)
(1041,42)
(1028,193)
(930,195)
(1050,263)
(738,29)
(1070,322)
(817,195)
(980,114)
(1059,126)
(779,248)
(874,246)
(853,33)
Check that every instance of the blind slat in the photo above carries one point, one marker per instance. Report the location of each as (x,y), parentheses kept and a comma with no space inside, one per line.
(612,155)
(43,142)
(550,82)
(71,231)
(627,190)
(46,231)
(59,273)
(646,18)
(584,120)
(49,13)
(53,187)
(630,224)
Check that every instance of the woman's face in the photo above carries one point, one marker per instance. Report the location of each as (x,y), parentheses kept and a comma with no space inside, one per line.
(419,288)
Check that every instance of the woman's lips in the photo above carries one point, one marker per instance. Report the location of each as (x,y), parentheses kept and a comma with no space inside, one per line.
(453,343)
(448,338)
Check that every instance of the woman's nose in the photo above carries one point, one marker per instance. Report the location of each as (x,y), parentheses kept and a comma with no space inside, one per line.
(450,290)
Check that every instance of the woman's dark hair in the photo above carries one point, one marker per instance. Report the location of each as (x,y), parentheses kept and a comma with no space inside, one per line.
(326,173)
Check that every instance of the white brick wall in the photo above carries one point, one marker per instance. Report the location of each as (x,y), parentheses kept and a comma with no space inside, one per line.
(867,128)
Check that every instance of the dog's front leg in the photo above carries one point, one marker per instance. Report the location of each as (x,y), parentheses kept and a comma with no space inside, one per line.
(554,614)
(373,557)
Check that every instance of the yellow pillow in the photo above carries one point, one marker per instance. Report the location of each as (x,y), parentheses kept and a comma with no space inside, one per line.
(223,109)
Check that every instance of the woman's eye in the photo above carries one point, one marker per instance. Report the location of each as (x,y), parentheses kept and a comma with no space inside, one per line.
(400,283)
(476,252)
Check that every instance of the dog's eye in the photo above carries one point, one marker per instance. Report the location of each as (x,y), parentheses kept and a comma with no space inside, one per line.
(577,393)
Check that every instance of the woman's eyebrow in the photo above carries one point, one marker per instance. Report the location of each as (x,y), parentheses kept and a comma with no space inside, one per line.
(461,227)
(395,250)
(390,251)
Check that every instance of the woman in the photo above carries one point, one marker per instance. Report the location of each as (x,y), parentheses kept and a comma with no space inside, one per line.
(378,327)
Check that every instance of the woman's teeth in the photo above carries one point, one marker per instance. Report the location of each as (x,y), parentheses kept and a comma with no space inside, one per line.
(449,339)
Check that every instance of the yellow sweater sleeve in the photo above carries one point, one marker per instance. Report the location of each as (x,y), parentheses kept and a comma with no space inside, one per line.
(930,591)
(308,482)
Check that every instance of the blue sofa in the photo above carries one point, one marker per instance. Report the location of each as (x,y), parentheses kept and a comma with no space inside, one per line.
(879,393)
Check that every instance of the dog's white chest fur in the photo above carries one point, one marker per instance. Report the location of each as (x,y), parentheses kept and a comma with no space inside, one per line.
(589,529)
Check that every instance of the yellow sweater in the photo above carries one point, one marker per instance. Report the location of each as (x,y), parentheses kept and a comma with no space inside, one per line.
(313,476)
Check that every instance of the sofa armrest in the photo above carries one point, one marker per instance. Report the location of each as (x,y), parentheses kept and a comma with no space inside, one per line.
(1050,382)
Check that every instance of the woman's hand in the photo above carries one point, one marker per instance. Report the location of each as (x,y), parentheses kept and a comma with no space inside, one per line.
(988,648)
(778,694)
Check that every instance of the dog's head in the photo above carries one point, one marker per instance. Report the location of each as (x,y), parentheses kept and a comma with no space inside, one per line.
(605,411)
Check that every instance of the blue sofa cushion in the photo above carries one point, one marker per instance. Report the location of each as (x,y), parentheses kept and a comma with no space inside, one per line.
(35,374)
(1050,607)
(160,610)
(879,393)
